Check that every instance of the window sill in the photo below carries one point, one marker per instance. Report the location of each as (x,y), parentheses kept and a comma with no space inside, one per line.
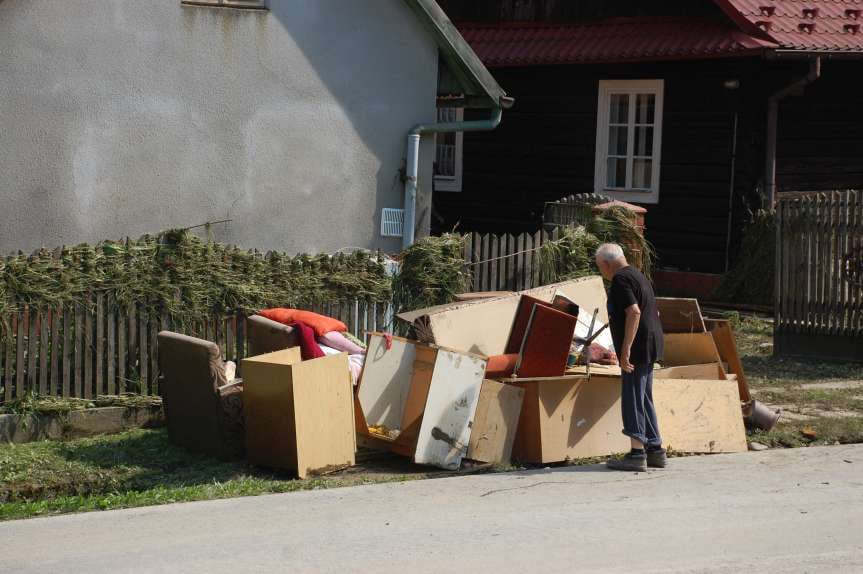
(648,197)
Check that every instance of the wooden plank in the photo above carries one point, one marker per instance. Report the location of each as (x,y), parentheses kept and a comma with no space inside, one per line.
(484,264)
(56,327)
(709,372)
(143,355)
(385,381)
(778,315)
(537,244)
(153,383)
(418,390)
(836,311)
(68,350)
(476,241)
(689,349)
(122,348)
(32,349)
(111,351)
(529,258)
(230,349)
(20,359)
(519,263)
(44,351)
(699,416)
(7,379)
(100,345)
(241,338)
(79,351)
(88,352)
(132,339)
(494,264)
(680,315)
(495,423)
(444,434)
(577,419)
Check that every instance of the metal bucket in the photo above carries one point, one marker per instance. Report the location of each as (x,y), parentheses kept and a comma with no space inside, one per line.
(758,415)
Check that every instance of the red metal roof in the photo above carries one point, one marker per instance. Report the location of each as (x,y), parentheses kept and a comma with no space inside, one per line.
(817,25)
(616,40)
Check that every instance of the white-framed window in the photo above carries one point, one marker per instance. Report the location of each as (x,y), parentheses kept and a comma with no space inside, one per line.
(254,4)
(629,139)
(448,152)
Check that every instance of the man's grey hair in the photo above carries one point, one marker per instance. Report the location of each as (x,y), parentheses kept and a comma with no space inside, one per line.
(610,252)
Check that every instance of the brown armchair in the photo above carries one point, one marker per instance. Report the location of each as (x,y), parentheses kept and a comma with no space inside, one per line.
(203,413)
(266,336)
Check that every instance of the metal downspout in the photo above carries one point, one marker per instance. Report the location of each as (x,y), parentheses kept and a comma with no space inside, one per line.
(412,167)
(773,122)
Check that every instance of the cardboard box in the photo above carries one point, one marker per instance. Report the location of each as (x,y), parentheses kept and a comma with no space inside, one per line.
(298,414)
(422,399)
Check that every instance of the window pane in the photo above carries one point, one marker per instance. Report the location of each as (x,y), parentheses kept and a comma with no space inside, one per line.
(619,110)
(645,107)
(616,172)
(617,140)
(642,173)
(644,141)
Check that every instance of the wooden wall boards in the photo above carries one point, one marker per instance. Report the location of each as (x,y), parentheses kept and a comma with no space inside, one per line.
(298,414)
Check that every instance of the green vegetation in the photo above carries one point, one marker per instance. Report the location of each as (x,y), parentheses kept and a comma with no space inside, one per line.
(751,279)
(141,468)
(186,278)
(572,254)
(822,402)
(35,404)
(432,272)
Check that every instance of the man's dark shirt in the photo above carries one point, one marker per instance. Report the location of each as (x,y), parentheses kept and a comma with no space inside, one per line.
(629,286)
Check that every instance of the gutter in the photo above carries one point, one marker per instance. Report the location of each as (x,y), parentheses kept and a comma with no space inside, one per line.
(773,122)
(413,152)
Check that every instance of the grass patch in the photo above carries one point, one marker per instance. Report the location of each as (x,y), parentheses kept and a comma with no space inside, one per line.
(780,381)
(141,468)
(819,431)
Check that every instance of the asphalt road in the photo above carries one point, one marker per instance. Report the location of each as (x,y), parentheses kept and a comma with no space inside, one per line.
(776,511)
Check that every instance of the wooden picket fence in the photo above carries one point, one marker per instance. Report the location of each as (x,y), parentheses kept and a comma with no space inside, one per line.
(505,262)
(819,274)
(90,350)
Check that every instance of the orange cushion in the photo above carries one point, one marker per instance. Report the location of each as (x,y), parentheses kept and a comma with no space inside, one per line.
(320,323)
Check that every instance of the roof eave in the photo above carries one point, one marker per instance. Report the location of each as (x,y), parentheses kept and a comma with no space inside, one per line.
(481,89)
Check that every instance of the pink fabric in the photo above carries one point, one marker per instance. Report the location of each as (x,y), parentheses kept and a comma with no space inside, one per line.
(339,342)
(309,348)
(355,364)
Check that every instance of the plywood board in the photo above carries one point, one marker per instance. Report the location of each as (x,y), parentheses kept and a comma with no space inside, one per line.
(723,336)
(421,377)
(709,371)
(268,407)
(385,381)
(699,416)
(495,423)
(444,435)
(689,349)
(680,315)
(324,416)
(578,419)
(483,326)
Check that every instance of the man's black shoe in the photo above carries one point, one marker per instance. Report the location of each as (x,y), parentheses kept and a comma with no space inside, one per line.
(656,458)
(631,462)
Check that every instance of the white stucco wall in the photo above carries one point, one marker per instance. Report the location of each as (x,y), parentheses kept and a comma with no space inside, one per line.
(122,117)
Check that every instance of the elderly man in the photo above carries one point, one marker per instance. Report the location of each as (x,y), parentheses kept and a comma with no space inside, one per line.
(638,339)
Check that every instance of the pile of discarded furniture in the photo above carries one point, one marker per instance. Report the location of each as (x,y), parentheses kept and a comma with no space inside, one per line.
(491,377)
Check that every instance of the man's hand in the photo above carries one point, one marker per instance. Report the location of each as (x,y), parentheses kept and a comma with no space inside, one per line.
(625,365)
